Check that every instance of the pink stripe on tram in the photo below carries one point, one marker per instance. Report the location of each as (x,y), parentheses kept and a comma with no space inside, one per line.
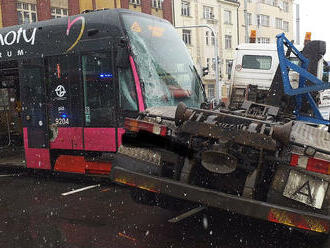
(70,138)
(137,84)
(100,139)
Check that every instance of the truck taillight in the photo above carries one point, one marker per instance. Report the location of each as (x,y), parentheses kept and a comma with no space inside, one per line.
(137,125)
(310,163)
(299,221)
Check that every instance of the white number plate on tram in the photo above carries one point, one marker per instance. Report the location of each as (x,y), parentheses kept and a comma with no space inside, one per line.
(305,189)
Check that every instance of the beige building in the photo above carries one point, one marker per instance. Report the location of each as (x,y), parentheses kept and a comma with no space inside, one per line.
(226,17)
(221,15)
(268,18)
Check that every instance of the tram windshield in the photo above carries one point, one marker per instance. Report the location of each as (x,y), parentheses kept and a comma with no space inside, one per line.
(165,66)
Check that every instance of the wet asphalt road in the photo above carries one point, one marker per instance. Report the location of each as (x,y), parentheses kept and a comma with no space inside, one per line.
(33,213)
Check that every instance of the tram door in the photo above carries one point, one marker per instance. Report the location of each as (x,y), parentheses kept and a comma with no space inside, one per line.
(100,132)
(34,114)
(63,75)
(81,102)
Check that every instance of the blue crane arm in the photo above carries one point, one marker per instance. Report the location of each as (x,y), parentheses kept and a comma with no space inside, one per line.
(303,89)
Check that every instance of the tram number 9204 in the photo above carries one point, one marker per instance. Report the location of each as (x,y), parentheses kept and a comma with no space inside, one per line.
(62,121)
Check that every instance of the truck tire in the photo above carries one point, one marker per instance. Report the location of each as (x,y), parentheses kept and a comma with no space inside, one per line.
(143,197)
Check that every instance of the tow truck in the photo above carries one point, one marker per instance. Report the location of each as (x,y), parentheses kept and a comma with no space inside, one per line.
(267,161)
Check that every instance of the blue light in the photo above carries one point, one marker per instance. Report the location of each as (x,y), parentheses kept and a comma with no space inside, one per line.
(105,75)
(64,116)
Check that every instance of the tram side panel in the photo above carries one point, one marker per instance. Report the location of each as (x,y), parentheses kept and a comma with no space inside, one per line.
(34,114)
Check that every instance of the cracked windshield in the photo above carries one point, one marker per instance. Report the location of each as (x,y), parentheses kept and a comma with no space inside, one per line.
(164,124)
(167,71)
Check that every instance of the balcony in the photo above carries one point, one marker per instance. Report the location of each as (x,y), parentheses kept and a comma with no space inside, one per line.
(212,21)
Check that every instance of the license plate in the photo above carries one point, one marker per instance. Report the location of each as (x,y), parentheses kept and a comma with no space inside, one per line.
(305,189)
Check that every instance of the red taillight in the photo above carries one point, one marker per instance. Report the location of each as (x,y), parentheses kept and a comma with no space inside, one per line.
(137,125)
(299,221)
(310,164)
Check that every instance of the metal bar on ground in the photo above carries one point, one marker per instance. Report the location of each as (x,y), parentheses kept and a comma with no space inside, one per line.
(186,214)
(79,190)
(10,175)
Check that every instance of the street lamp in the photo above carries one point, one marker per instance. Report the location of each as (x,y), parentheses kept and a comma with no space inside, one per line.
(217,83)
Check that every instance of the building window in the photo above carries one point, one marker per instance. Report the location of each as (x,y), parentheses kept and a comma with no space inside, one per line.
(285,6)
(229,65)
(185,8)
(212,39)
(227,41)
(208,62)
(249,18)
(263,20)
(208,13)
(286,26)
(136,2)
(264,40)
(211,91)
(26,12)
(227,16)
(269,2)
(207,38)
(58,12)
(279,23)
(157,4)
(186,36)
(258,20)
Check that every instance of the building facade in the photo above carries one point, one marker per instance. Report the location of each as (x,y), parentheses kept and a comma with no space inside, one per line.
(13,12)
(268,18)
(221,16)
(226,17)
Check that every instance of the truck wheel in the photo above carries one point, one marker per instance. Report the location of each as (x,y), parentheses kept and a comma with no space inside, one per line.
(143,197)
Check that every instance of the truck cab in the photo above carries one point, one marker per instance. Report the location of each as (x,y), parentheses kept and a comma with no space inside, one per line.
(253,70)
(254,64)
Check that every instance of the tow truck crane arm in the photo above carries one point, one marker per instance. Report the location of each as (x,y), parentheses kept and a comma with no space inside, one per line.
(308,82)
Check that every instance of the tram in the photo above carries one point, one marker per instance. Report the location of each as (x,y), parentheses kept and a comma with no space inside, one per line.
(67,85)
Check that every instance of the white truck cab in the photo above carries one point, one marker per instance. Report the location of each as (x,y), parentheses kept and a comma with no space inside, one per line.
(254,64)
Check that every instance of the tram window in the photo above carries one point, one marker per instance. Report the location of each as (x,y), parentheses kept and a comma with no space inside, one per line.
(98,89)
(127,90)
